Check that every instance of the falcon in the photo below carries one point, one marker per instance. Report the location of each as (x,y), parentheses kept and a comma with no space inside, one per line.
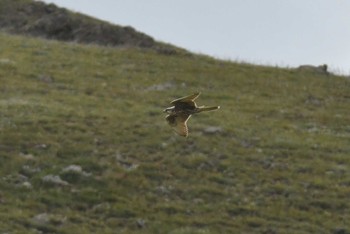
(181,111)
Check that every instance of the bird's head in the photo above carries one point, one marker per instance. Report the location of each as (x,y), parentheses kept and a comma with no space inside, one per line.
(169,110)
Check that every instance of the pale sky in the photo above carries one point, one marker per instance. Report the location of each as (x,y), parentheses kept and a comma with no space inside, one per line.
(271,32)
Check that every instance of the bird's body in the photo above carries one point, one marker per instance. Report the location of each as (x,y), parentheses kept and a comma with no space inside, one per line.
(182,110)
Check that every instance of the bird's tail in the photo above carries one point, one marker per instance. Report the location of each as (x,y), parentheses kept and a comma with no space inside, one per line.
(210,108)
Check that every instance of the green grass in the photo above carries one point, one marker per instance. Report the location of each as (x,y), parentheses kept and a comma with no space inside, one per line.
(279,165)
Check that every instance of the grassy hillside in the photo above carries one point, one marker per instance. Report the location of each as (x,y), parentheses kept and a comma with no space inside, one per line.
(84,147)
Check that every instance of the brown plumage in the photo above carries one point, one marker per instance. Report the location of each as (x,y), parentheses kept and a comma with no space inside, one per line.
(181,111)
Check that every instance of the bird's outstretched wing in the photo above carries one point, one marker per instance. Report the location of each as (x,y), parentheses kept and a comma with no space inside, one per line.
(179,123)
(187,101)
(189,98)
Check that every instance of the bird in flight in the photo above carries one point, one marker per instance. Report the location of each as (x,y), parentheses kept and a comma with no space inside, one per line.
(181,111)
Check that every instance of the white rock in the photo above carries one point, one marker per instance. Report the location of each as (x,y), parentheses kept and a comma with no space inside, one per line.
(41,219)
(54,179)
(27,185)
(161,87)
(75,169)
(27,156)
(212,130)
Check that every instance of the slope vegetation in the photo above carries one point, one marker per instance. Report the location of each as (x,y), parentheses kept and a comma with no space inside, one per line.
(84,147)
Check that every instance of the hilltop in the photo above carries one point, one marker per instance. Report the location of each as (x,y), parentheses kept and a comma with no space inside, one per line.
(38,19)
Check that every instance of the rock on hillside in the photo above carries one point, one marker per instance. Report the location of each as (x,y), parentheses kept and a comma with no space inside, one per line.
(35,18)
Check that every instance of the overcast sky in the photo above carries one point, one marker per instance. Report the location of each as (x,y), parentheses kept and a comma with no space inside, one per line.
(272,32)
